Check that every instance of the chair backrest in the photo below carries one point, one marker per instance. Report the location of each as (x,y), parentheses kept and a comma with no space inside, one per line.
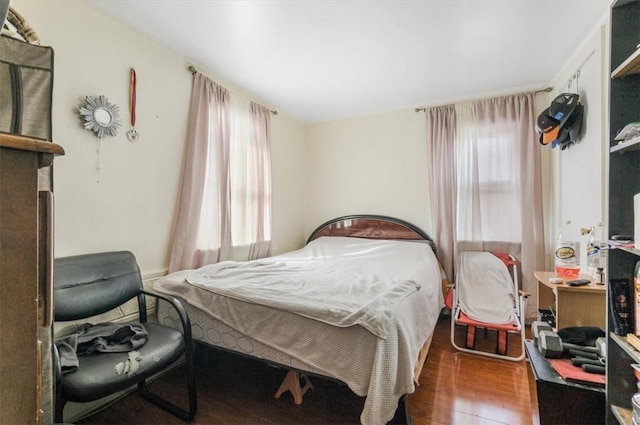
(92,284)
(486,288)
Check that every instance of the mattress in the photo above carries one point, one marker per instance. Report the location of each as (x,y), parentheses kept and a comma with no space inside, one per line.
(378,368)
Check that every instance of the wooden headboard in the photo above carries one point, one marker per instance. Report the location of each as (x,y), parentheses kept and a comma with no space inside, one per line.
(371,227)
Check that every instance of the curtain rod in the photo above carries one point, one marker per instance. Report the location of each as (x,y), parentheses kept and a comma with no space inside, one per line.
(194,70)
(547,89)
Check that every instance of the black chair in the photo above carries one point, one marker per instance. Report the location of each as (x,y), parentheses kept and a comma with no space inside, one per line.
(92,284)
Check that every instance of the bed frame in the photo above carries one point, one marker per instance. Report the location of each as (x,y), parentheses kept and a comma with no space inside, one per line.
(368,226)
(371,227)
(361,226)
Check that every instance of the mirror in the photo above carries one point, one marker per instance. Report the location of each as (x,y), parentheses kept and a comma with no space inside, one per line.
(100,116)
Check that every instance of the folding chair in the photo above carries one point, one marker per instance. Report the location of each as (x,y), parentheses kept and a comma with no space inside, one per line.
(486,296)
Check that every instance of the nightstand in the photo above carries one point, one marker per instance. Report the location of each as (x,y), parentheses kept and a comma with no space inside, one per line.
(573,305)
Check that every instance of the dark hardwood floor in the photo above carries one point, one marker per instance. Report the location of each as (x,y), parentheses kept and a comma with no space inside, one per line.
(455,388)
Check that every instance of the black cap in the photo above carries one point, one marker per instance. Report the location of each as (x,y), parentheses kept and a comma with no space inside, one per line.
(562,107)
(570,131)
(553,120)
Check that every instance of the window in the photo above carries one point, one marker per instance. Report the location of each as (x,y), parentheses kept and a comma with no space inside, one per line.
(250,190)
(225,201)
(488,181)
(497,181)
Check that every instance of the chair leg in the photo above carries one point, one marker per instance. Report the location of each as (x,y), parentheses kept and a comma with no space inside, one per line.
(502,343)
(186,416)
(59,410)
(470,341)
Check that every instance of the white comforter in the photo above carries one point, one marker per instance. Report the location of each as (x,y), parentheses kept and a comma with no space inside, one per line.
(378,367)
(339,281)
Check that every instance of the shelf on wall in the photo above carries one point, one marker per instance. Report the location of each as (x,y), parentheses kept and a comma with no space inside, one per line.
(623,415)
(628,67)
(627,248)
(628,348)
(626,146)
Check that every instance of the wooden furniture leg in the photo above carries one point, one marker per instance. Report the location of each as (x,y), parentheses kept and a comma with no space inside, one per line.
(291,382)
(422,357)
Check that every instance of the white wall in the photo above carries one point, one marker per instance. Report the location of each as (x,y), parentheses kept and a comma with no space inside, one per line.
(579,172)
(374,164)
(289,170)
(130,203)
(377,164)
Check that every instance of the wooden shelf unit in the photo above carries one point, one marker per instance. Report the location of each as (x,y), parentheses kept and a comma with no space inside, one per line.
(629,67)
(624,183)
(626,146)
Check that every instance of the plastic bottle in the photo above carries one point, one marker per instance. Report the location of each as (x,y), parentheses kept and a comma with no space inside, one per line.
(567,254)
(602,246)
(593,254)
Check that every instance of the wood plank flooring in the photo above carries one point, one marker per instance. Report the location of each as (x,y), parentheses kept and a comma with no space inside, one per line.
(455,388)
(462,388)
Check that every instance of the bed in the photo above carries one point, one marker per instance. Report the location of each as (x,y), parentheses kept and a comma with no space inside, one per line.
(375,342)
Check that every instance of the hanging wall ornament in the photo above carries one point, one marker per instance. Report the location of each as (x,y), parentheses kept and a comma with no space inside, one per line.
(100,116)
(132,134)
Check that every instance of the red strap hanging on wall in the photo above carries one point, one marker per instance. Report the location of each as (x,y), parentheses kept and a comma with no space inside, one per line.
(132,134)
(132,97)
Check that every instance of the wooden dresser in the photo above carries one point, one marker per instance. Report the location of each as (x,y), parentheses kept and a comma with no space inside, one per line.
(26,261)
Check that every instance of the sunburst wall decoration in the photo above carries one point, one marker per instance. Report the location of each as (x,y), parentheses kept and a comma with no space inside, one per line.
(100,116)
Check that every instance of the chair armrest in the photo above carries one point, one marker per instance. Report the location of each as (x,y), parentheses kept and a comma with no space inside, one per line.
(449,296)
(177,305)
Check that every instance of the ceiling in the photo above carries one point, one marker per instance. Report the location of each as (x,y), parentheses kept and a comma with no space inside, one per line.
(322,60)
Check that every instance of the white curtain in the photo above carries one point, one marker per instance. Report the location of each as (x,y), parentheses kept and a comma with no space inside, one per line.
(260,178)
(225,201)
(497,192)
(241,207)
(203,229)
(488,172)
(441,131)
(469,213)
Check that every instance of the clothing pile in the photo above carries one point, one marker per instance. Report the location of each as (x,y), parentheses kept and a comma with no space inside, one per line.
(103,337)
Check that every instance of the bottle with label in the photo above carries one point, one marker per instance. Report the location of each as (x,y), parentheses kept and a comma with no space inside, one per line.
(567,254)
